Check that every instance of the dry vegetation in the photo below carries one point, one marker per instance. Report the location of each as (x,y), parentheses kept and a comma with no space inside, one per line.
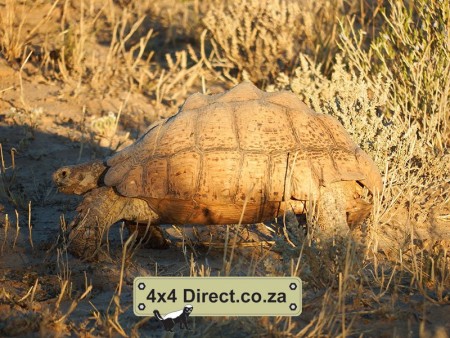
(80,79)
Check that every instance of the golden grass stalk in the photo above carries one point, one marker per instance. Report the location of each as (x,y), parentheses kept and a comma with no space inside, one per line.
(30,227)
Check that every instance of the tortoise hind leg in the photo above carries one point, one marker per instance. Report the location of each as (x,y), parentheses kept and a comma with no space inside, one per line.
(340,208)
(332,219)
(334,232)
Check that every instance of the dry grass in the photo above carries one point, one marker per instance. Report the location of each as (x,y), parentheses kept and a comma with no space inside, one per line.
(381,68)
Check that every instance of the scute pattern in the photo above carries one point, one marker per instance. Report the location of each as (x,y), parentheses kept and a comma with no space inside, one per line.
(215,187)
(177,134)
(337,132)
(253,180)
(243,146)
(216,128)
(310,132)
(183,175)
(155,184)
(264,128)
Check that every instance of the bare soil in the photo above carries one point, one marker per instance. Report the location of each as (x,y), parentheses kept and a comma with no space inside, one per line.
(55,138)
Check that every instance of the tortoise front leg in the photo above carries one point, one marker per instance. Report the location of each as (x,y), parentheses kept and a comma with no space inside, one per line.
(150,235)
(103,207)
(140,217)
(99,209)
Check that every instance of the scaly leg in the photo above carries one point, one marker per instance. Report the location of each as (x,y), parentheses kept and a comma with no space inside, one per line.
(334,233)
(151,235)
(101,208)
(332,213)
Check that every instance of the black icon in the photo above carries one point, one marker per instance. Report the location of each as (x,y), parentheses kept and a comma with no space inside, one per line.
(170,319)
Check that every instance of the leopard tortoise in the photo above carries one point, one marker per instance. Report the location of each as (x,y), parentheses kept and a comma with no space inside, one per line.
(242,155)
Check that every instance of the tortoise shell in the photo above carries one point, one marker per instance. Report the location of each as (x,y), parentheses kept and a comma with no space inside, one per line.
(242,147)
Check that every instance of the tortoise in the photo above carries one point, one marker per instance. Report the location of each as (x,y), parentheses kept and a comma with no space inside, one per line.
(243,155)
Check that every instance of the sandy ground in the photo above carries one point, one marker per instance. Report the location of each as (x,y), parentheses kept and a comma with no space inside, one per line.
(46,127)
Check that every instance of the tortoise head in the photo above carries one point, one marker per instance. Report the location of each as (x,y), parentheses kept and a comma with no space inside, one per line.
(81,178)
